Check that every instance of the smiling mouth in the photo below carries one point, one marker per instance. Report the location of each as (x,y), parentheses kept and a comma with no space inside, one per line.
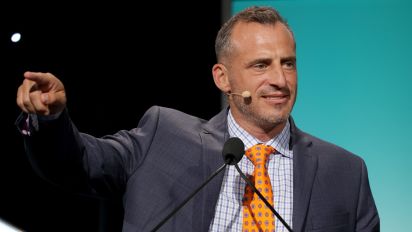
(276,99)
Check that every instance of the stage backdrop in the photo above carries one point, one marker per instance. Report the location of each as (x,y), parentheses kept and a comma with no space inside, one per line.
(355,76)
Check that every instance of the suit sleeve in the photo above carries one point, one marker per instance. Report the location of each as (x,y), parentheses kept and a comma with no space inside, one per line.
(367,214)
(59,153)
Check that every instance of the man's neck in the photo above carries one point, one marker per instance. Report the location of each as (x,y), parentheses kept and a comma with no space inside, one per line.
(262,132)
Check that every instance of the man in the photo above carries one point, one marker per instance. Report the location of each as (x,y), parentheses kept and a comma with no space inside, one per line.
(315,185)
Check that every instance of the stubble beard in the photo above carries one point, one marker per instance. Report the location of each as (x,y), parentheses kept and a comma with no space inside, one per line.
(266,121)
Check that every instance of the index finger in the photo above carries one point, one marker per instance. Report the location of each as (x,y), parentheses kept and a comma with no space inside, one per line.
(38,77)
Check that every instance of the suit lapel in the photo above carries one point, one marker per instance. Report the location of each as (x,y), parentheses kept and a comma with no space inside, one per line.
(304,172)
(213,136)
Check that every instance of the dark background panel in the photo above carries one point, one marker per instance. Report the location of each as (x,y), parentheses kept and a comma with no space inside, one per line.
(116,60)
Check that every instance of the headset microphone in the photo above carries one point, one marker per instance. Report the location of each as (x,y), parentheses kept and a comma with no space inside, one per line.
(245,94)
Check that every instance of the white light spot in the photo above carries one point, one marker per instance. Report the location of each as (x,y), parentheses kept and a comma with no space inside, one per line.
(15,37)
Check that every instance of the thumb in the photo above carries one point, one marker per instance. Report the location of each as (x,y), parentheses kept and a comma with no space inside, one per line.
(45,98)
(55,101)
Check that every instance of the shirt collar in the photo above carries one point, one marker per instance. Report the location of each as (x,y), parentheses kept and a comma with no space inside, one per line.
(279,142)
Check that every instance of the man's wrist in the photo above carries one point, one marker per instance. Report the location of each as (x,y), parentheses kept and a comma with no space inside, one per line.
(45,118)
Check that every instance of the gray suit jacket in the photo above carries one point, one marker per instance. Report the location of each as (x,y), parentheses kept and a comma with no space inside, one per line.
(156,165)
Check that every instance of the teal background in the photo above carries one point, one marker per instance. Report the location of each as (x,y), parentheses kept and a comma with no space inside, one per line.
(355,77)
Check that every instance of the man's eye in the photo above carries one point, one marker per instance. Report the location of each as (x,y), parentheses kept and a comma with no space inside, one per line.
(260,66)
(289,65)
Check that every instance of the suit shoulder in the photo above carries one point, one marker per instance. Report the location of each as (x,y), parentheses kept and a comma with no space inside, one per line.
(173,116)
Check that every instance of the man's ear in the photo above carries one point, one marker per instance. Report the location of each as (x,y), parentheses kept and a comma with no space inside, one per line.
(221,78)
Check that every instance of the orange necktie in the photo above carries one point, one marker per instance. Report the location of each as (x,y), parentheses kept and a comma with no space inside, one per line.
(256,215)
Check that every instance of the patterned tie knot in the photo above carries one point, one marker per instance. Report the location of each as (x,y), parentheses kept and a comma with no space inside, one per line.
(259,153)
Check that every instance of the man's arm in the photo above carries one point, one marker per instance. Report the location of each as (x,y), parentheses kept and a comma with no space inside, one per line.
(53,150)
(367,213)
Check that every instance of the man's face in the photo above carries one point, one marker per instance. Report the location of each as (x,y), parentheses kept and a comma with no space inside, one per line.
(263,61)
